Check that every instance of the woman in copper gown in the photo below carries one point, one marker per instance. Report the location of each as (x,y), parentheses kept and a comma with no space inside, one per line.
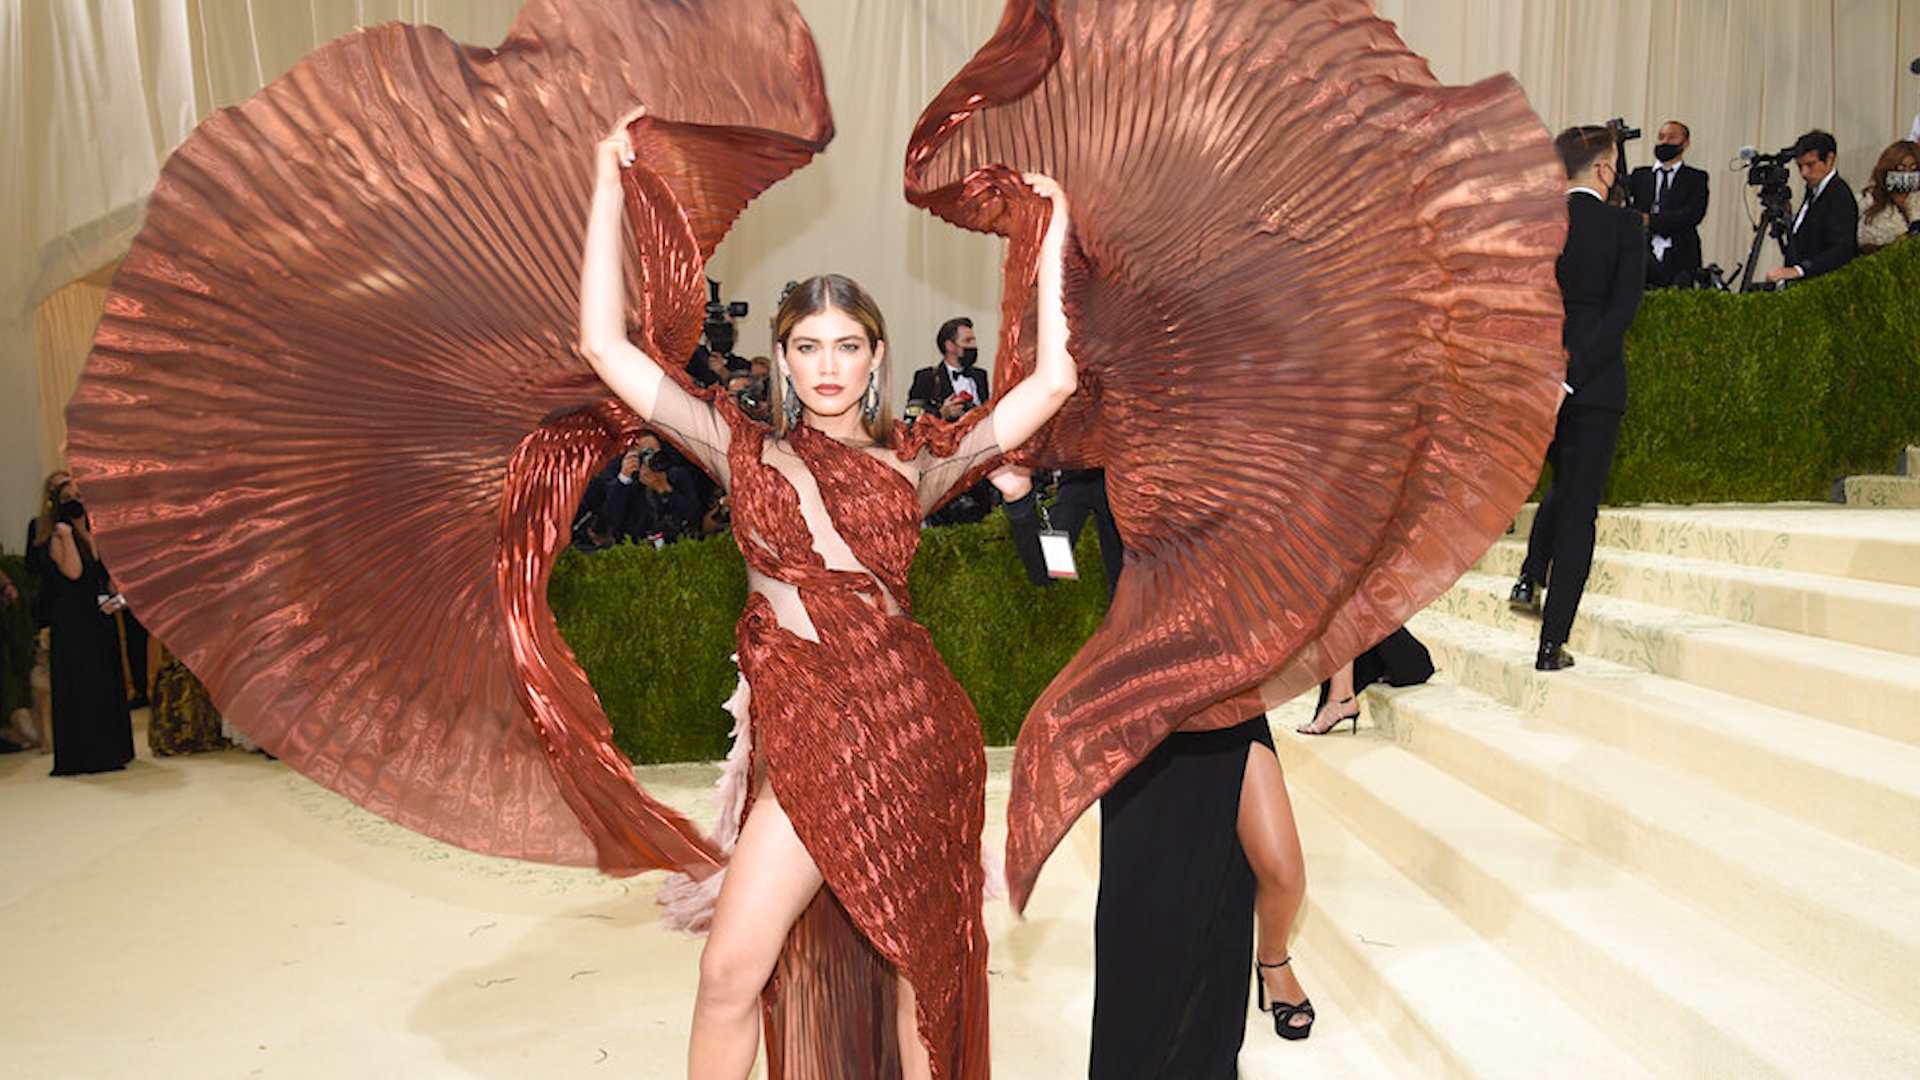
(868,790)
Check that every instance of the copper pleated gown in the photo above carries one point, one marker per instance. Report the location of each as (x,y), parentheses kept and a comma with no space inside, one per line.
(871,746)
(1311,295)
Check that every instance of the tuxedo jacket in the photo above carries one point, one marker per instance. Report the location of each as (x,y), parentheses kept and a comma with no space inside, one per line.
(1829,235)
(933,385)
(1680,214)
(1602,273)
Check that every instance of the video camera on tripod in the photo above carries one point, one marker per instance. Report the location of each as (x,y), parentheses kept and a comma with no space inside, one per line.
(1768,174)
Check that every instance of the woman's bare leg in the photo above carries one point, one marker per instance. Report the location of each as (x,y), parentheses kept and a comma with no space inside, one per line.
(1272,844)
(769,882)
(914,1064)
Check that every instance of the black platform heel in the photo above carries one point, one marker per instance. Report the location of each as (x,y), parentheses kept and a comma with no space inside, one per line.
(1283,1012)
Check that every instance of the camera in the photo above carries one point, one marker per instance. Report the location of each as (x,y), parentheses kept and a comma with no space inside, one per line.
(718,327)
(1768,170)
(1622,134)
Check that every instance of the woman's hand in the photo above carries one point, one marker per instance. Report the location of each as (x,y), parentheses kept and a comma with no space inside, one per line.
(1049,189)
(617,151)
(1035,399)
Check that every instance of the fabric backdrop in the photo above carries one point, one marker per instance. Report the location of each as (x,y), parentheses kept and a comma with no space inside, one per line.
(96,93)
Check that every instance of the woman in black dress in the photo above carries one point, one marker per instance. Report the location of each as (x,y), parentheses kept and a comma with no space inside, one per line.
(92,731)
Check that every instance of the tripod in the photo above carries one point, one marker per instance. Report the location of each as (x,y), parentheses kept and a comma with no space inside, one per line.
(1774,207)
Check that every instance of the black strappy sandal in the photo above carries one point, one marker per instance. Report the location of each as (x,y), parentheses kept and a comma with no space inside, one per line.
(1283,1012)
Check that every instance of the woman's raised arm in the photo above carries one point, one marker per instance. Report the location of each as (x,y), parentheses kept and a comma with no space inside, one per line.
(1034,400)
(630,373)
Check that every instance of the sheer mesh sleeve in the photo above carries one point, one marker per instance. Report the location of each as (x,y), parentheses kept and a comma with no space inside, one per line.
(948,457)
(694,423)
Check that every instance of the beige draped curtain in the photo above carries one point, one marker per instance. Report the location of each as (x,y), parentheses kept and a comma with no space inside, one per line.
(95,93)
(63,327)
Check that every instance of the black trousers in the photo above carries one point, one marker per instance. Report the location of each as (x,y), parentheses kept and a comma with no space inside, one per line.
(1560,548)
(1083,496)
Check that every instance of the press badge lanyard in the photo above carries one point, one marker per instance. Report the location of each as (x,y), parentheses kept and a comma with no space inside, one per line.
(1055,547)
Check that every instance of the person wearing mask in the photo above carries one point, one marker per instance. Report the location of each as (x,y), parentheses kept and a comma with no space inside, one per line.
(1825,233)
(92,730)
(1602,273)
(957,383)
(1672,200)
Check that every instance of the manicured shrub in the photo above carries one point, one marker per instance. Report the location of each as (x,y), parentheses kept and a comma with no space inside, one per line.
(654,630)
(1764,397)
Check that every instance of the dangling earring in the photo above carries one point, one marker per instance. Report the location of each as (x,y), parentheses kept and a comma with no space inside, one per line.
(790,403)
(870,401)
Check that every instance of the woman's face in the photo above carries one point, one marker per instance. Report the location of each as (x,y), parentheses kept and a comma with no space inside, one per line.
(62,489)
(829,360)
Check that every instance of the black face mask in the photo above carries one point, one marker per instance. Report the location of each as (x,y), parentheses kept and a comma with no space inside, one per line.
(969,356)
(1666,152)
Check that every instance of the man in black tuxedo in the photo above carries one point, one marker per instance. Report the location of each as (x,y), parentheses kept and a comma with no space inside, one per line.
(1826,231)
(1672,200)
(1602,273)
(956,383)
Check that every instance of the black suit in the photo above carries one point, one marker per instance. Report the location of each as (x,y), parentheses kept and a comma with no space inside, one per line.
(1681,209)
(1828,235)
(934,385)
(1602,275)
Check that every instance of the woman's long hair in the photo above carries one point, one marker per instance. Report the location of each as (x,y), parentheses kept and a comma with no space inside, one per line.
(1878,197)
(833,292)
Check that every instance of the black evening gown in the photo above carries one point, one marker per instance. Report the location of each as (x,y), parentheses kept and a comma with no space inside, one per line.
(1400,659)
(92,730)
(1173,931)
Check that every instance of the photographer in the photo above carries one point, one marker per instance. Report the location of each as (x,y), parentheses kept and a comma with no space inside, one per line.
(1825,234)
(1672,200)
(955,384)
(650,495)
(1602,273)
(92,730)
(1891,206)
(714,361)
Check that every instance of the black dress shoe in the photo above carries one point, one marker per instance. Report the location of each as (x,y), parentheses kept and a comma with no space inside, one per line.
(1553,656)
(1524,598)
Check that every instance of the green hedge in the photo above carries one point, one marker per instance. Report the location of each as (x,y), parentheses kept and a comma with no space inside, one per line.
(1764,397)
(654,630)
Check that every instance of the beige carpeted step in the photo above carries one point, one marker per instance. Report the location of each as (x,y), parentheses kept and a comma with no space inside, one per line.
(1819,903)
(1454,1006)
(1818,538)
(1854,785)
(1689,997)
(1881,491)
(1868,689)
(1874,614)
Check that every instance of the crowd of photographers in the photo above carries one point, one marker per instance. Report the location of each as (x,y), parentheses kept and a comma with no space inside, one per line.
(1821,231)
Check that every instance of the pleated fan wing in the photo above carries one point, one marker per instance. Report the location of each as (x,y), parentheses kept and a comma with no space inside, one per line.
(334,425)
(1311,292)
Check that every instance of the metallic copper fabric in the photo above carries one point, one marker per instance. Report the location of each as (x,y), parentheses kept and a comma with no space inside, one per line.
(875,753)
(334,427)
(1311,294)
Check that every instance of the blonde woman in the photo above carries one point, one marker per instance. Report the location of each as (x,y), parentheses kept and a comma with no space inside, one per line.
(92,730)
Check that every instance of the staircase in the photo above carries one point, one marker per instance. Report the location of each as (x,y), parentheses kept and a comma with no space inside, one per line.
(1901,490)
(1696,854)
